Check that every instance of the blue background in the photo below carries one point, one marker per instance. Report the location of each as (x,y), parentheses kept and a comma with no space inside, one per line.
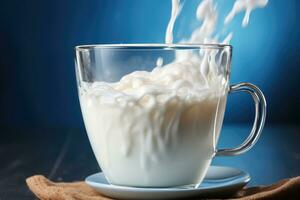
(37,83)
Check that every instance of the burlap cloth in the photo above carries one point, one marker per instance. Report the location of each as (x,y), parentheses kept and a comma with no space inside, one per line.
(47,190)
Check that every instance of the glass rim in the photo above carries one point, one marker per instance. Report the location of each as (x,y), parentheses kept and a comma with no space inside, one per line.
(152,46)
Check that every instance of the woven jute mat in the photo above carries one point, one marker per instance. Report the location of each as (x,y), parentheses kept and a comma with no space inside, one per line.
(45,189)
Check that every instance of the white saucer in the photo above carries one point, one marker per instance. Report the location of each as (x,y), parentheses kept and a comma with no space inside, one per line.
(219,182)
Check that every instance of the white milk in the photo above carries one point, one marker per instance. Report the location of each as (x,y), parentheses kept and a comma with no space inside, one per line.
(160,128)
(149,122)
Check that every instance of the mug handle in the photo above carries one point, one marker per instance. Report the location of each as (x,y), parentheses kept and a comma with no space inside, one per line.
(259,121)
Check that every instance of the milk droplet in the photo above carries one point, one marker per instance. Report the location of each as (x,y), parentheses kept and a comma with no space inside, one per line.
(159,62)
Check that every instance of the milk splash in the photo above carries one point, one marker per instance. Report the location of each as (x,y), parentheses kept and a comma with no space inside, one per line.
(247,6)
(207,13)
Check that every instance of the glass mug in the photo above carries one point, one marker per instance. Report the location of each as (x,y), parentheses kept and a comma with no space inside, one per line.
(153,112)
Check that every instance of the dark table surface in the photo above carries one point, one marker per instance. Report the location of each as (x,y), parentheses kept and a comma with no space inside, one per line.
(65,155)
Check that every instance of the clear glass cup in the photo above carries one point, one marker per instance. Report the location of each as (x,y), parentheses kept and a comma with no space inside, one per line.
(154,112)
